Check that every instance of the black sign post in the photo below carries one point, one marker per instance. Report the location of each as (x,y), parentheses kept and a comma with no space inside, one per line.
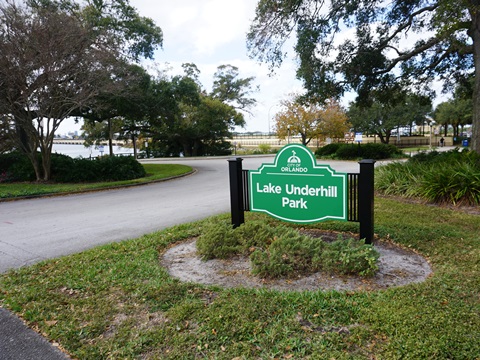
(365,199)
(236,191)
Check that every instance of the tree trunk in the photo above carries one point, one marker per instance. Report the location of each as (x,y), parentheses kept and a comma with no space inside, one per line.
(186,149)
(110,136)
(304,138)
(46,165)
(32,156)
(134,142)
(196,147)
(475,34)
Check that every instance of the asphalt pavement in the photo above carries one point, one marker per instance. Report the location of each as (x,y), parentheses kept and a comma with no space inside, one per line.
(19,342)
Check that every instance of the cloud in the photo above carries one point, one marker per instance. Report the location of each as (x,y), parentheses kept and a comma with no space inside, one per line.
(210,33)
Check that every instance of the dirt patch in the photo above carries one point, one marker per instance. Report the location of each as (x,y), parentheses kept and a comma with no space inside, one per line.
(397,267)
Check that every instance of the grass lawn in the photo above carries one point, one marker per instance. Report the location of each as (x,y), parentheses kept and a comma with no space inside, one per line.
(155,172)
(117,302)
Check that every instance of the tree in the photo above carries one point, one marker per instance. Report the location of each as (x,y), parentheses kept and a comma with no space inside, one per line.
(381,116)
(49,67)
(94,133)
(234,91)
(298,118)
(57,59)
(372,120)
(203,128)
(414,109)
(417,40)
(458,110)
(6,141)
(189,120)
(455,112)
(115,22)
(131,101)
(333,121)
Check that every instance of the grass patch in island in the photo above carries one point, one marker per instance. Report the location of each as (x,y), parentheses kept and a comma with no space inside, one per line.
(116,301)
(154,172)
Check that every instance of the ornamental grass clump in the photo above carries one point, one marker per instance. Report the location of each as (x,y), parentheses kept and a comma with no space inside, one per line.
(451,177)
(282,251)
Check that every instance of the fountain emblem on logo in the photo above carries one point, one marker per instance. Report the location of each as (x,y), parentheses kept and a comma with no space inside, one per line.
(294,164)
(294,159)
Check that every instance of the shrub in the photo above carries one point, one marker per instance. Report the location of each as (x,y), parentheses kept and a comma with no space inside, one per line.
(282,251)
(264,148)
(350,257)
(119,168)
(17,167)
(349,151)
(218,240)
(255,234)
(376,151)
(290,253)
(327,150)
(456,183)
(66,169)
(399,179)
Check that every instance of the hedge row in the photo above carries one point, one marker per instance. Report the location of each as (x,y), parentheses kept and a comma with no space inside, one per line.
(376,151)
(16,167)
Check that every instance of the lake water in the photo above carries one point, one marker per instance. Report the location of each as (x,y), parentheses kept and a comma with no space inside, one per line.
(75,151)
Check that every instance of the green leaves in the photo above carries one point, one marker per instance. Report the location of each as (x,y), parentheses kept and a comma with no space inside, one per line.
(284,252)
(450,178)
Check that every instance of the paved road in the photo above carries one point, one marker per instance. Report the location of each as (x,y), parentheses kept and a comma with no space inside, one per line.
(37,229)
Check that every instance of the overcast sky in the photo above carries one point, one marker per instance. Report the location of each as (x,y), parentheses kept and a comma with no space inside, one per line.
(210,33)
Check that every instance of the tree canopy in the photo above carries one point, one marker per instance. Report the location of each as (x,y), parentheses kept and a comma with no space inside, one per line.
(192,122)
(57,59)
(416,40)
(402,110)
(310,120)
(235,91)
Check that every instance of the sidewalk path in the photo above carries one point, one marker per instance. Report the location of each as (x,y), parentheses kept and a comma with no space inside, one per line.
(18,342)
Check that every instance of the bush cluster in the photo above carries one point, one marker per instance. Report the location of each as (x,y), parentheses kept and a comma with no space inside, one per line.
(451,177)
(376,151)
(282,251)
(16,167)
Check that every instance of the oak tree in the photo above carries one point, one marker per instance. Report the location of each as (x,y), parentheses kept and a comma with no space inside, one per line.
(364,45)
(233,90)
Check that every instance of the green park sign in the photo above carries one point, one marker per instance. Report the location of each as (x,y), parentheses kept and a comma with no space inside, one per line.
(294,188)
